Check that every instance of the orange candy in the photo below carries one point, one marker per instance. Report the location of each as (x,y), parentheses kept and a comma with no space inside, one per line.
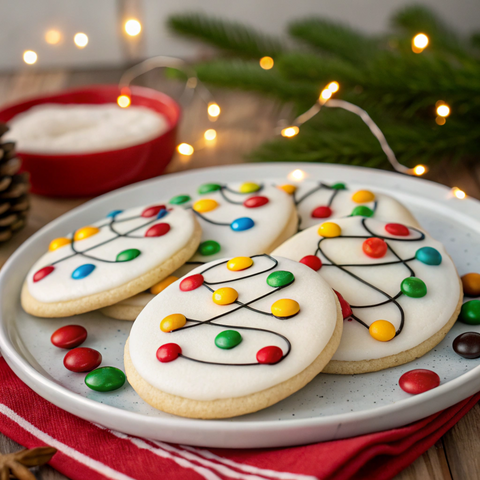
(471,284)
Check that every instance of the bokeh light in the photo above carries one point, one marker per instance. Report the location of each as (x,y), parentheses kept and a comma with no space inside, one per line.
(80,39)
(266,63)
(30,57)
(133,27)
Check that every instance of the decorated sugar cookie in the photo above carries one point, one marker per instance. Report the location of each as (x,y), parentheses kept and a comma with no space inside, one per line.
(245,218)
(110,260)
(319,201)
(399,289)
(232,337)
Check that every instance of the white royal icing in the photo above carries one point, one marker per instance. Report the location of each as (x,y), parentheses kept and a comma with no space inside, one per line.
(59,285)
(309,332)
(423,316)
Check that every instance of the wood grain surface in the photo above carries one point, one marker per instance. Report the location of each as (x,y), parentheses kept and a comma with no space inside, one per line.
(246,121)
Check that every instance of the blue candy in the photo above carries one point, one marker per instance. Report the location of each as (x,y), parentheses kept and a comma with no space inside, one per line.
(241,224)
(83,271)
(429,256)
(161,213)
(114,213)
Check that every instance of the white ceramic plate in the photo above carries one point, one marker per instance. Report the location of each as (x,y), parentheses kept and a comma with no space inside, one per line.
(330,407)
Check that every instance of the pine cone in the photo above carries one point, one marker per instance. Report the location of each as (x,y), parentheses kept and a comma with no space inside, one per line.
(14,186)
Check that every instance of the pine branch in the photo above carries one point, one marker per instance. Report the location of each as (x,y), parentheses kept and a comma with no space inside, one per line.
(225,35)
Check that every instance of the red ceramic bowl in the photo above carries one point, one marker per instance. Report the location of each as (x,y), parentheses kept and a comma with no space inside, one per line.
(90,174)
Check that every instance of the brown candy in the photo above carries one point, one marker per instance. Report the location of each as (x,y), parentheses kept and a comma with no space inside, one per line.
(467,345)
(471,284)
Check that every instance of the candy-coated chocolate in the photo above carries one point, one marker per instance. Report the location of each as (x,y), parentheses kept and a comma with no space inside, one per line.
(128,255)
(168,352)
(312,261)
(173,322)
(82,359)
(83,271)
(191,283)
(59,243)
(241,224)
(363,196)
(162,213)
(346,309)
(397,229)
(43,272)
(322,212)
(428,256)
(224,296)
(413,287)
(114,213)
(362,211)
(255,202)
(287,188)
(285,308)
(467,345)
(205,205)
(105,379)
(269,355)
(471,284)
(339,186)
(470,312)
(208,247)
(382,330)
(329,230)
(280,278)
(162,285)
(208,188)
(85,232)
(153,211)
(69,336)
(158,230)
(228,339)
(418,381)
(179,199)
(374,247)
(249,187)
(239,263)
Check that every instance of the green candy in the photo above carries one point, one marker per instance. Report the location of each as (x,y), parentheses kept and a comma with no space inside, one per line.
(280,279)
(105,379)
(228,339)
(339,186)
(208,187)
(362,211)
(209,247)
(413,287)
(470,312)
(179,199)
(128,255)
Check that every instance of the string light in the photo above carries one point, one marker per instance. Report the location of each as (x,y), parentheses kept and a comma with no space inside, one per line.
(80,39)
(213,109)
(333,87)
(210,134)
(266,63)
(443,110)
(290,131)
(30,57)
(297,175)
(185,149)
(458,193)
(325,95)
(53,37)
(419,170)
(419,43)
(133,27)
(123,101)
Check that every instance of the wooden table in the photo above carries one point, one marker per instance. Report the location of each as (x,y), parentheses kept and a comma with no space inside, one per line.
(246,121)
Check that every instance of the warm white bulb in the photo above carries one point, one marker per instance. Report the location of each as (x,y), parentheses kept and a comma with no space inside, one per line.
(443,110)
(326,94)
(185,149)
(333,87)
(30,57)
(52,37)
(213,110)
(460,194)
(297,175)
(290,131)
(210,134)
(267,63)
(123,101)
(133,27)
(420,41)
(420,170)
(80,40)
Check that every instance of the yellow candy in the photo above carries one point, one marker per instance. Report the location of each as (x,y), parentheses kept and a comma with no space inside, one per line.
(160,286)
(58,243)
(329,229)
(363,196)
(173,322)
(382,330)
(290,189)
(285,308)
(239,263)
(85,232)
(205,205)
(249,187)
(224,296)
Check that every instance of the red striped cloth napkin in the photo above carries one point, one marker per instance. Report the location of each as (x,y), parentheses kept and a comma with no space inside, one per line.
(89,452)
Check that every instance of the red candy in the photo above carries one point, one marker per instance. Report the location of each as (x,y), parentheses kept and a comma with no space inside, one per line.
(346,309)
(269,355)
(42,273)
(152,211)
(255,202)
(312,261)
(82,359)
(322,212)
(158,230)
(69,336)
(418,381)
(397,229)
(191,283)
(168,352)
(374,247)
